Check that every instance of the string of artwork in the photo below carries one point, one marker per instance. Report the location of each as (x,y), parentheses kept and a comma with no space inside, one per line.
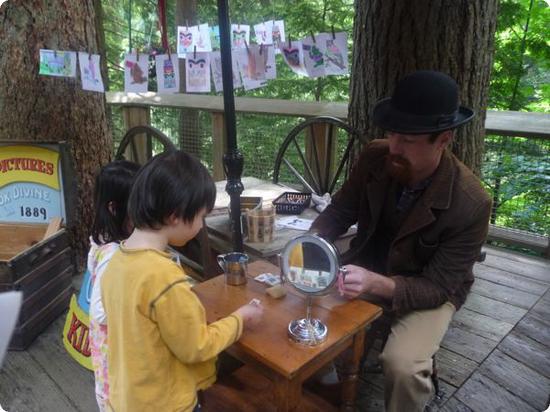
(317,55)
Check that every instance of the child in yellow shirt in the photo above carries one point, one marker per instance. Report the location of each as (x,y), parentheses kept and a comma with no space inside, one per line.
(161,350)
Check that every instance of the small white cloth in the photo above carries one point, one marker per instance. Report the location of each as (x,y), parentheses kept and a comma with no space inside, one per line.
(320,203)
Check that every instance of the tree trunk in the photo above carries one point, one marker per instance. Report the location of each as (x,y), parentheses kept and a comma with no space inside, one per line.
(393,38)
(190,137)
(43,108)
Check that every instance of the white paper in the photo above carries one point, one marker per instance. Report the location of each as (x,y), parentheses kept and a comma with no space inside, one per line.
(313,58)
(263,33)
(197,72)
(203,41)
(244,60)
(239,34)
(216,68)
(90,72)
(168,76)
(270,64)
(10,303)
(335,51)
(57,63)
(136,73)
(294,57)
(277,28)
(293,222)
(187,37)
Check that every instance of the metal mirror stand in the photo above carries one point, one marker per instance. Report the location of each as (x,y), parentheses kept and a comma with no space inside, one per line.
(319,258)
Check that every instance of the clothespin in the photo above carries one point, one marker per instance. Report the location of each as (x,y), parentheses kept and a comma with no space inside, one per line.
(289,42)
(312,36)
(137,54)
(186,26)
(168,51)
(333,34)
(55,54)
(261,48)
(194,51)
(246,45)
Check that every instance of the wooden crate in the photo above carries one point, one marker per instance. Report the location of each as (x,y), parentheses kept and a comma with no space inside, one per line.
(39,267)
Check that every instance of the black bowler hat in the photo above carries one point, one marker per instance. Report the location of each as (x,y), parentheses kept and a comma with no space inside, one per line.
(423,102)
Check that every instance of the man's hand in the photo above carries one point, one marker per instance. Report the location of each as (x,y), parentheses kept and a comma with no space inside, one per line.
(360,280)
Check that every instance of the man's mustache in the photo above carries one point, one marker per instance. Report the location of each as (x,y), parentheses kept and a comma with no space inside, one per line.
(393,158)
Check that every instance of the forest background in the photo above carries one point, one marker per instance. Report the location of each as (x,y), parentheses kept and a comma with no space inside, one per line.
(516,170)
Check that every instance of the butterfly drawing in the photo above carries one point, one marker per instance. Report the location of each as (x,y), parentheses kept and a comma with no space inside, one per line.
(314,54)
(292,56)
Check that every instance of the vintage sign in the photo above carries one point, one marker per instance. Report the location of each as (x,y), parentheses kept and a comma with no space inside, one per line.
(31,188)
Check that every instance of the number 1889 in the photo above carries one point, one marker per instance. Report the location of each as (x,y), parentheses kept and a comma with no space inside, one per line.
(33,212)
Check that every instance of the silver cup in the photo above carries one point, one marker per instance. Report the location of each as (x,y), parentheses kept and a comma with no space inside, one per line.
(235,267)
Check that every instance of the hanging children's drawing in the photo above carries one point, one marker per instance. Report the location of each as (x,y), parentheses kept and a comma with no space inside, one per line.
(216,68)
(136,72)
(335,50)
(215,37)
(168,76)
(313,57)
(186,39)
(197,74)
(294,56)
(251,64)
(90,72)
(202,40)
(263,33)
(277,28)
(240,33)
(57,63)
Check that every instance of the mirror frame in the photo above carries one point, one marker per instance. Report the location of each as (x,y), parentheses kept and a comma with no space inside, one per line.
(326,246)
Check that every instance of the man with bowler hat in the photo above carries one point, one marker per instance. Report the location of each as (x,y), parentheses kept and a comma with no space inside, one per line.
(422,217)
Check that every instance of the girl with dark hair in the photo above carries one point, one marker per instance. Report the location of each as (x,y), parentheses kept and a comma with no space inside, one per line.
(111,225)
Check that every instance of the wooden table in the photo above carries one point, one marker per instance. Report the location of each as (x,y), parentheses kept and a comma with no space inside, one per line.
(218,221)
(269,350)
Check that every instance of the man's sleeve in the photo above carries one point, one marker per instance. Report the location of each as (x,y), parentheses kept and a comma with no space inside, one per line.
(182,323)
(447,269)
(342,212)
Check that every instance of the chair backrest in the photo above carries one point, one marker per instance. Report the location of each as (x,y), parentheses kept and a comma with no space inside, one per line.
(318,154)
(137,145)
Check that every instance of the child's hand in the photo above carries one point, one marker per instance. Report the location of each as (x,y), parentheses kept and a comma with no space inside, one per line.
(251,313)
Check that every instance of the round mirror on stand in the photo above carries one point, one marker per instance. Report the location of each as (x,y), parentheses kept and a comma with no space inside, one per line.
(311,265)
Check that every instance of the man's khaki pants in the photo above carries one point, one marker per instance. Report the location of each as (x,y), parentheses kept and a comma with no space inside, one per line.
(407,357)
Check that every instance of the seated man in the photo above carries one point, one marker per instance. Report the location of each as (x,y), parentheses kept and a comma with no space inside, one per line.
(422,219)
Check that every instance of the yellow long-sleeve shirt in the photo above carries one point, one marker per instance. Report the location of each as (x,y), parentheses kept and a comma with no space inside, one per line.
(160,348)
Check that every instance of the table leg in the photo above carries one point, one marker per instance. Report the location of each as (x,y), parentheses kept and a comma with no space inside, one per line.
(287,394)
(350,371)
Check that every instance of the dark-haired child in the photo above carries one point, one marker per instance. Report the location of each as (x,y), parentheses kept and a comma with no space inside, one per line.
(161,350)
(110,226)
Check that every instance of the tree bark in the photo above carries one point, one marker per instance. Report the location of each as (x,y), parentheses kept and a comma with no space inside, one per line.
(190,138)
(393,38)
(43,108)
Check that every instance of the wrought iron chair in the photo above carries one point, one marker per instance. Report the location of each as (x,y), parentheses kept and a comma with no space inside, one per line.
(196,254)
(318,153)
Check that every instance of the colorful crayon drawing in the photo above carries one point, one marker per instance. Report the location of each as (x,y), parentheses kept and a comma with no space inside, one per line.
(169,75)
(57,63)
(90,72)
(198,72)
(292,56)
(334,55)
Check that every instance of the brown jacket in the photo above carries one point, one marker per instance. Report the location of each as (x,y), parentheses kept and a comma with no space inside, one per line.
(432,256)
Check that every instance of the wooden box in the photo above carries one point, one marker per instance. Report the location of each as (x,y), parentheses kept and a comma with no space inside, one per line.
(42,270)
(37,192)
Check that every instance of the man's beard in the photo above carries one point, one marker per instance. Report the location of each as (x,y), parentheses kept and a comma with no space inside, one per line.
(399,168)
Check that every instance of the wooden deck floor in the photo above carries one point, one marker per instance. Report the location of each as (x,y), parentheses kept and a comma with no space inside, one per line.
(495,356)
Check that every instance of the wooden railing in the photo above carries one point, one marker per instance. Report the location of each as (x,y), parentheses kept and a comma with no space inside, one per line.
(136,111)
